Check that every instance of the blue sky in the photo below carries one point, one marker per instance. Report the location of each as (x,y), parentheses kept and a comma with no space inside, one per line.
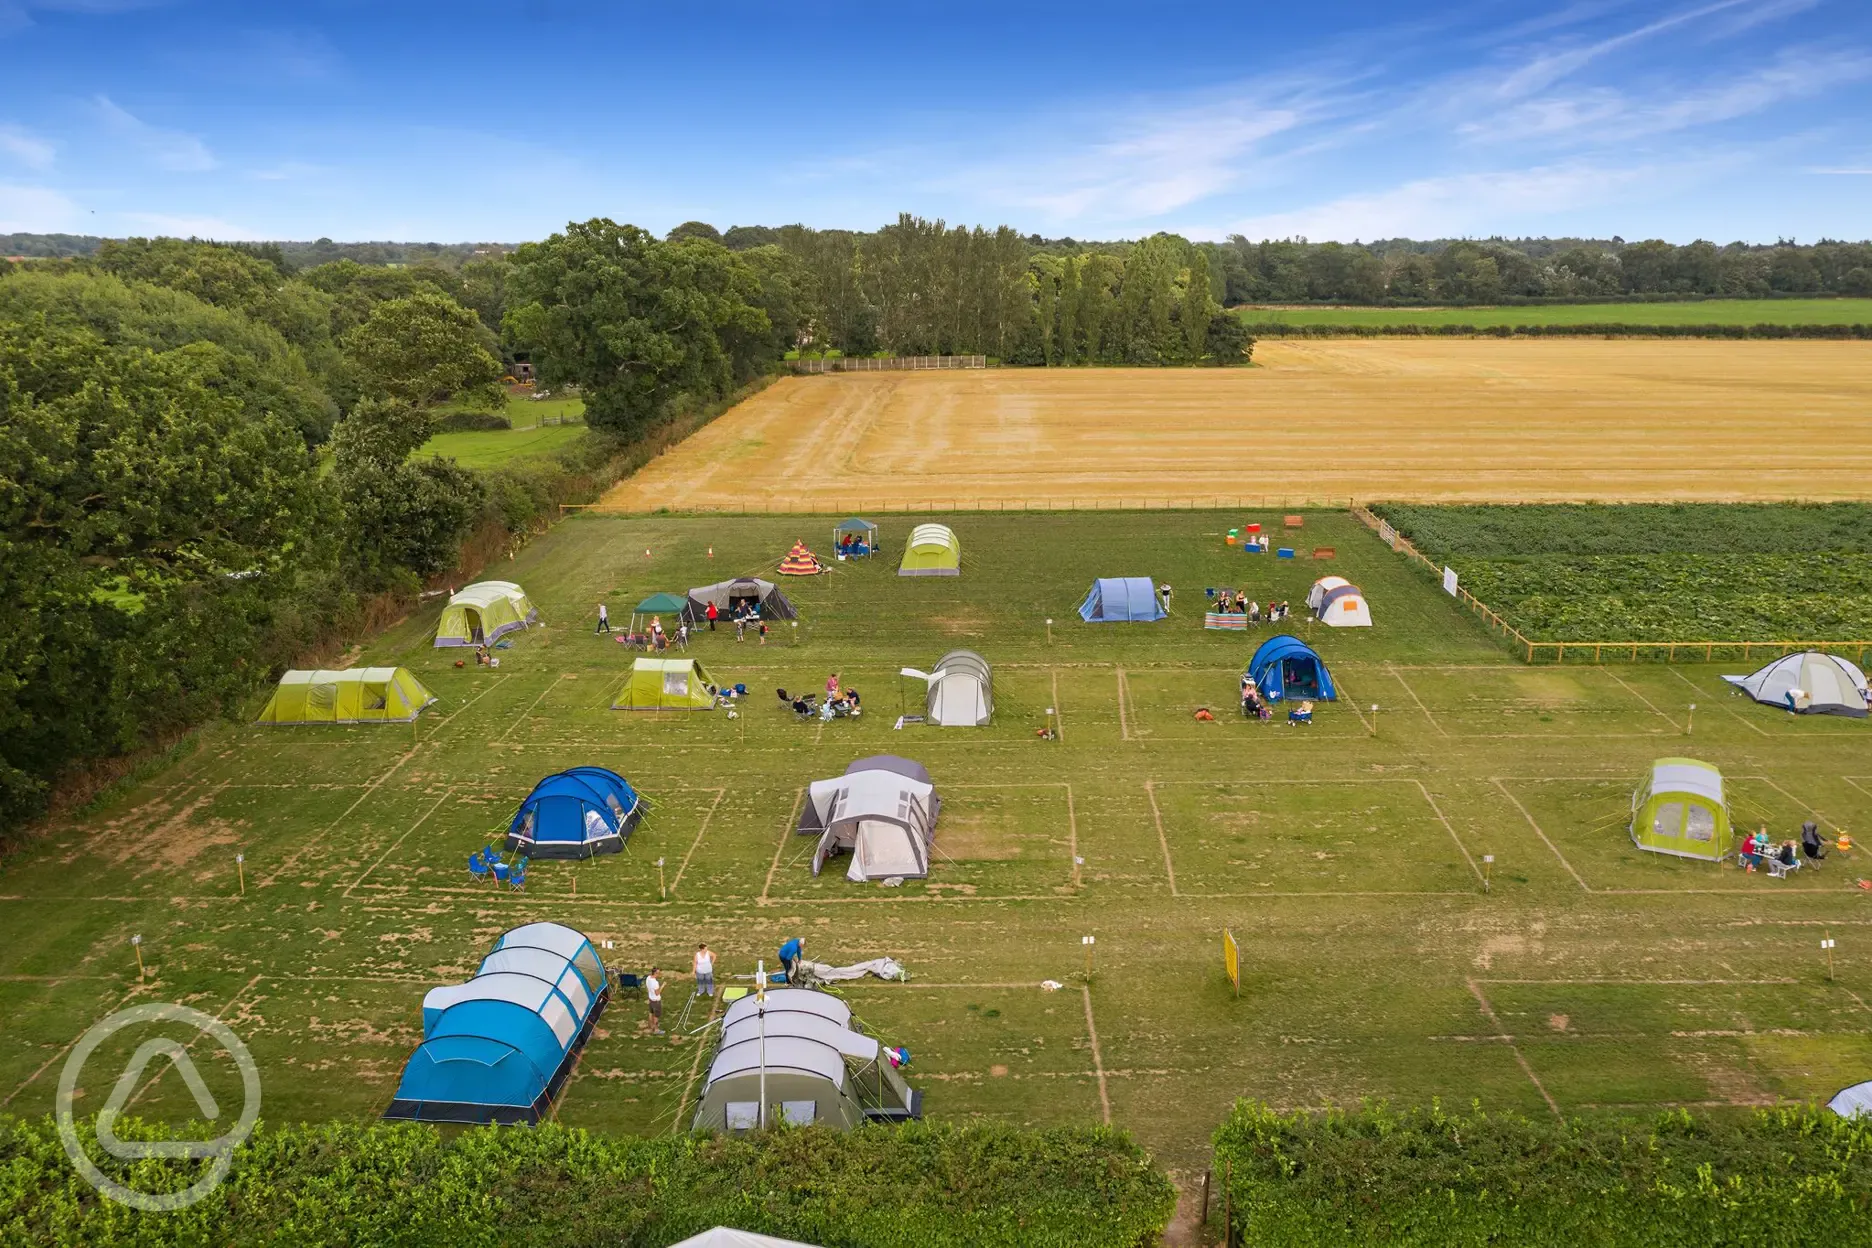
(1725,119)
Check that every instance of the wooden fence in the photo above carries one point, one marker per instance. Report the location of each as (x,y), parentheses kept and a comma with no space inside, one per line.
(1539,651)
(816,505)
(889,363)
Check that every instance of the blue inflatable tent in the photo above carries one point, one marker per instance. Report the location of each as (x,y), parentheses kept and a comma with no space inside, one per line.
(1286,667)
(576,814)
(1128,599)
(498,1048)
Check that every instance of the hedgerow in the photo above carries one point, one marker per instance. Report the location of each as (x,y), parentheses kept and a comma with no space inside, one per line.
(918,1186)
(1285,329)
(1426,1177)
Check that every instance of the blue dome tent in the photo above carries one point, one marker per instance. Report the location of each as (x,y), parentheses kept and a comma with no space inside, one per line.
(1286,667)
(576,814)
(1128,599)
(498,1048)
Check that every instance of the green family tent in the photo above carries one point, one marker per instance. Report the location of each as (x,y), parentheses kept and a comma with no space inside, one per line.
(482,612)
(931,551)
(666,685)
(362,695)
(1679,809)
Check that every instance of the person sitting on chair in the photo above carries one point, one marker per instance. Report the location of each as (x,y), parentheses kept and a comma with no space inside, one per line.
(1754,845)
(851,700)
(1788,855)
(1254,612)
(1811,844)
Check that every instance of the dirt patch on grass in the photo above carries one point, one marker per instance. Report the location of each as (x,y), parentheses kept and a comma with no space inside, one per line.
(1548,688)
(975,838)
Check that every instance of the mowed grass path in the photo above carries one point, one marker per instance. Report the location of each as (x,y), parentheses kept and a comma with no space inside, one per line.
(1688,312)
(1348,858)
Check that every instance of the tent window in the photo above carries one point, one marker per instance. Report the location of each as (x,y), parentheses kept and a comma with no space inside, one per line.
(376,697)
(324,695)
(1701,824)
(676,684)
(743,1115)
(799,1113)
(1668,819)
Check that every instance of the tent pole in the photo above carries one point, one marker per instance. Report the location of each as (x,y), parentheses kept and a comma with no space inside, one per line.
(760,971)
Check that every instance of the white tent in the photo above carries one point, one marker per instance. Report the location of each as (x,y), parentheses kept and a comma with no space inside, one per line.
(1338,603)
(961,690)
(1808,683)
(728,1237)
(1855,1101)
(883,810)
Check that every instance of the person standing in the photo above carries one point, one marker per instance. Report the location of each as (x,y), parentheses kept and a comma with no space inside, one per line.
(711,616)
(790,954)
(763,632)
(604,619)
(832,687)
(653,992)
(704,971)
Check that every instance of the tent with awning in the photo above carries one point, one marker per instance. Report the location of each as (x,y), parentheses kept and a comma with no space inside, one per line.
(1808,683)
(738,594)
(357,695)
(961,690)
(483,612)
(882,811)
(665,685)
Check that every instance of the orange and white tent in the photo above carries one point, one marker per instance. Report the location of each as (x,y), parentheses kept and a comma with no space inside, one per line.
(1338,603)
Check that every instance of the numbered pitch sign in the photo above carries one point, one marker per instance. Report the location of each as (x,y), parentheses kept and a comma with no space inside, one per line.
(1449,581)
(1231,959)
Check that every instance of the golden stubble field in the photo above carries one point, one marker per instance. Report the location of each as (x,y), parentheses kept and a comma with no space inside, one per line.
(1439,420)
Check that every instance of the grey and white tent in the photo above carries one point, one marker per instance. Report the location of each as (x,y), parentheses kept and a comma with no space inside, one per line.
(961,690)
(1853,1102)
(882,811)
(728,595)
(1808,683)
(729,1237)
(795,1057)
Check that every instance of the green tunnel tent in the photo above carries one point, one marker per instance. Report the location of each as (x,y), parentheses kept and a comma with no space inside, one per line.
(1679,809)
(933,550)
(666,685)
(483,612)
(359,695)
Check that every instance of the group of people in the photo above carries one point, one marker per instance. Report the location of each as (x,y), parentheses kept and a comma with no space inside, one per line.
(1760,850)
(1229,602)
(851,545)
(704,969)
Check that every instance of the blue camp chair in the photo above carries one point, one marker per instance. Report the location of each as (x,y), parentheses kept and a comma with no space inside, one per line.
(516,878)
(627,982)
(477,867)
(488,853)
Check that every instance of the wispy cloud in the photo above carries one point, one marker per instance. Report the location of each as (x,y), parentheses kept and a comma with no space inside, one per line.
(21,145)
(174,150)
(35,210)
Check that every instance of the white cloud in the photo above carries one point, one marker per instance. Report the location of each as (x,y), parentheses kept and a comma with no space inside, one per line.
(174,150)
(185,225)
(36,210)
(1445,207)
(25,147)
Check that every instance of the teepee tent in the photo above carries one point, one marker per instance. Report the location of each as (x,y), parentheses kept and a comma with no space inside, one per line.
(800,562)
(1130,599)
(933,550)
(1808,683)
(1679,810)
(1338,603)
(665,685)
(483,612)
(360,695)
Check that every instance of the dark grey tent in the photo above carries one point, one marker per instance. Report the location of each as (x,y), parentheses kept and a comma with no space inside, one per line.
(727,595)
(882,811)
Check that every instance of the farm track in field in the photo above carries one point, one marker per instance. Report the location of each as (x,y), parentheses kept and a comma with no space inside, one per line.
(1461,420)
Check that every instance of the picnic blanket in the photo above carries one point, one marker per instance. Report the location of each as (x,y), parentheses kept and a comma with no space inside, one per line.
(1225,619)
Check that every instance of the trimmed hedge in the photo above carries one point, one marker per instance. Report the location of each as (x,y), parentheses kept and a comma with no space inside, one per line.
(1283,329)
(917,1186)
(1426,1177)
(470,422)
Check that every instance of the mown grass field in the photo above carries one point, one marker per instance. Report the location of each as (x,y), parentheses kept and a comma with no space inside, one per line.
(1688,312)
(490,448)
(1348,858)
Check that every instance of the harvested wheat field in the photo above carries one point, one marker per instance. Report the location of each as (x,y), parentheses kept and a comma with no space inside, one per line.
(1462,419)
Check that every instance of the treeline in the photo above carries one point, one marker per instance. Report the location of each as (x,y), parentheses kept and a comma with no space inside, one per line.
(918,1186)
(287,256)
(169,534)
(1497,271)
(1450,1180)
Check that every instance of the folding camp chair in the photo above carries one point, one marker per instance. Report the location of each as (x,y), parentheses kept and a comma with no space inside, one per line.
(516,878)
(627,982)
(477,866)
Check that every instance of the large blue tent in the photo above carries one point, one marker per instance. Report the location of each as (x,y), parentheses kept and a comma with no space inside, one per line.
(1286,667)
(576,814)
(1128,599)
(498,1048)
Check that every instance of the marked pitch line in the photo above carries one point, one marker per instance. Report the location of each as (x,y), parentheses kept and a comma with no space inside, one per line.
(1124,727)
(385,856)
(1059,716)
(786,830)
(1072,837)
(1497,782)
(1434,722)
(1447,827)
(1488,1012)
(1647,701)
(64,1049)
(1744,720)
(450,717)
(312,842)
(700,832)
(695,1067)
(552,685)
(220,1016)
(1098,1062)
(1150,791)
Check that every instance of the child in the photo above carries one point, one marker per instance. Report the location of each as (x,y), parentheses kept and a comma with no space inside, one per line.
(763,632)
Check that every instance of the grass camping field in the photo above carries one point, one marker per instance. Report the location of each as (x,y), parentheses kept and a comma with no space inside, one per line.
(489,448)
(1348,858)
(1687,312)
(1435,420)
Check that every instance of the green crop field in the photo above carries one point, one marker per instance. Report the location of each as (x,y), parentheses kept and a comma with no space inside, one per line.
(490,448)
(1689,312)
(1384,954)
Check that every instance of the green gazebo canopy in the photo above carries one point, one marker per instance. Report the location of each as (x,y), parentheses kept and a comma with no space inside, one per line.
(661,602)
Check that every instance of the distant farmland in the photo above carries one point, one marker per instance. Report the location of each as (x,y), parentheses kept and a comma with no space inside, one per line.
(1689,312)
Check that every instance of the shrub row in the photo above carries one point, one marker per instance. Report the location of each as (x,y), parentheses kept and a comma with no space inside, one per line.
(1782,1177)
(920,1186)
(1283,329)
(470,422)
(1508,530)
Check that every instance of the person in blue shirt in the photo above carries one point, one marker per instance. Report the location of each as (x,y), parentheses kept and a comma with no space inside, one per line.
(790,957)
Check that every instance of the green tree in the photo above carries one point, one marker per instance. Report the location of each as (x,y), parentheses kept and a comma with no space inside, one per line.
(1068,337)
(1227,340)
(634,322)
(400,515)
(423,349)
(223,276)
(1198,308)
